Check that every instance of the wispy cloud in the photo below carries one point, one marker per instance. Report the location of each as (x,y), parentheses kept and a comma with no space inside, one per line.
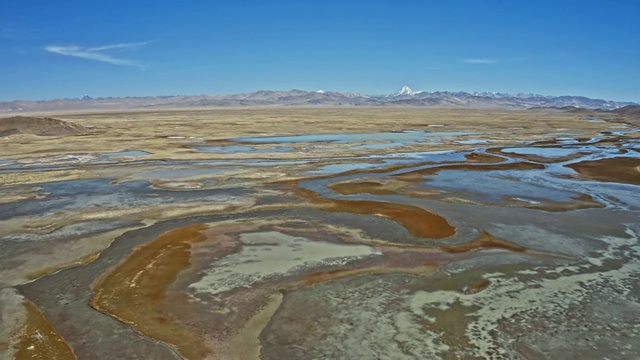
(100,53)
(480,61)
(120,46)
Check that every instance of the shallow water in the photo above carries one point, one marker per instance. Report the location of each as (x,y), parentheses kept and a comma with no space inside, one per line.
(422,156)
(543,151)
(377,146)
(382,161)
(492,186)
(7,162)
(473,142)
(339,168)
(231,149)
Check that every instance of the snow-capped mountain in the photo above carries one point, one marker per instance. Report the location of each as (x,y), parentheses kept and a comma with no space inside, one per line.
(405,97)
(404,91)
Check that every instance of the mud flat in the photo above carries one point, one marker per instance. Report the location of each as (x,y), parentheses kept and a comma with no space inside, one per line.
(321,233)
(626,170)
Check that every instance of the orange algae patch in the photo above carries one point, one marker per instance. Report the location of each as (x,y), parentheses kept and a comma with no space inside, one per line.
(484,241)
(418,221)
(39,340)
(619,169)
(133,290)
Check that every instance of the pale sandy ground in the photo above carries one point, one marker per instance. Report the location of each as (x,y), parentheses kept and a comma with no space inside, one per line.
(150,130)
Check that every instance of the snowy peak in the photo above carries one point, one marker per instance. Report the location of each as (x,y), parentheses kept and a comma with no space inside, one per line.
(404,97)
(404,91)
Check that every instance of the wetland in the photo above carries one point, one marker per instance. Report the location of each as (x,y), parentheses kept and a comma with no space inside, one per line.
(323,233)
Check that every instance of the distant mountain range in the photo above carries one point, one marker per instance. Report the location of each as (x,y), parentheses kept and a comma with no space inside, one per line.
(404,97)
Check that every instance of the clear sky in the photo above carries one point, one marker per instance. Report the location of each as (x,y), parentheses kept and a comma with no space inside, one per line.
(57,49)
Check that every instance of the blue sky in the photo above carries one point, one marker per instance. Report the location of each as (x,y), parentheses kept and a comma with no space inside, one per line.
(57,49)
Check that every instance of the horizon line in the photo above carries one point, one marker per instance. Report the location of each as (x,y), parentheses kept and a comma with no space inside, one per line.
(313,91)
(87,97)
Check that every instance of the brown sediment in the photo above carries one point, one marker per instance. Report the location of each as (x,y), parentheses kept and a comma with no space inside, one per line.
(418,221)
(484,158)
(337,274)
(418,175)
(133,290)
(483,241)
(583,201)
(477,286)
(39,340)
(618,169)
(385,187)
(363,187)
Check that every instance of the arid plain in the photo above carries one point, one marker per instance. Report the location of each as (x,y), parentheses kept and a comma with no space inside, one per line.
(320,233)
